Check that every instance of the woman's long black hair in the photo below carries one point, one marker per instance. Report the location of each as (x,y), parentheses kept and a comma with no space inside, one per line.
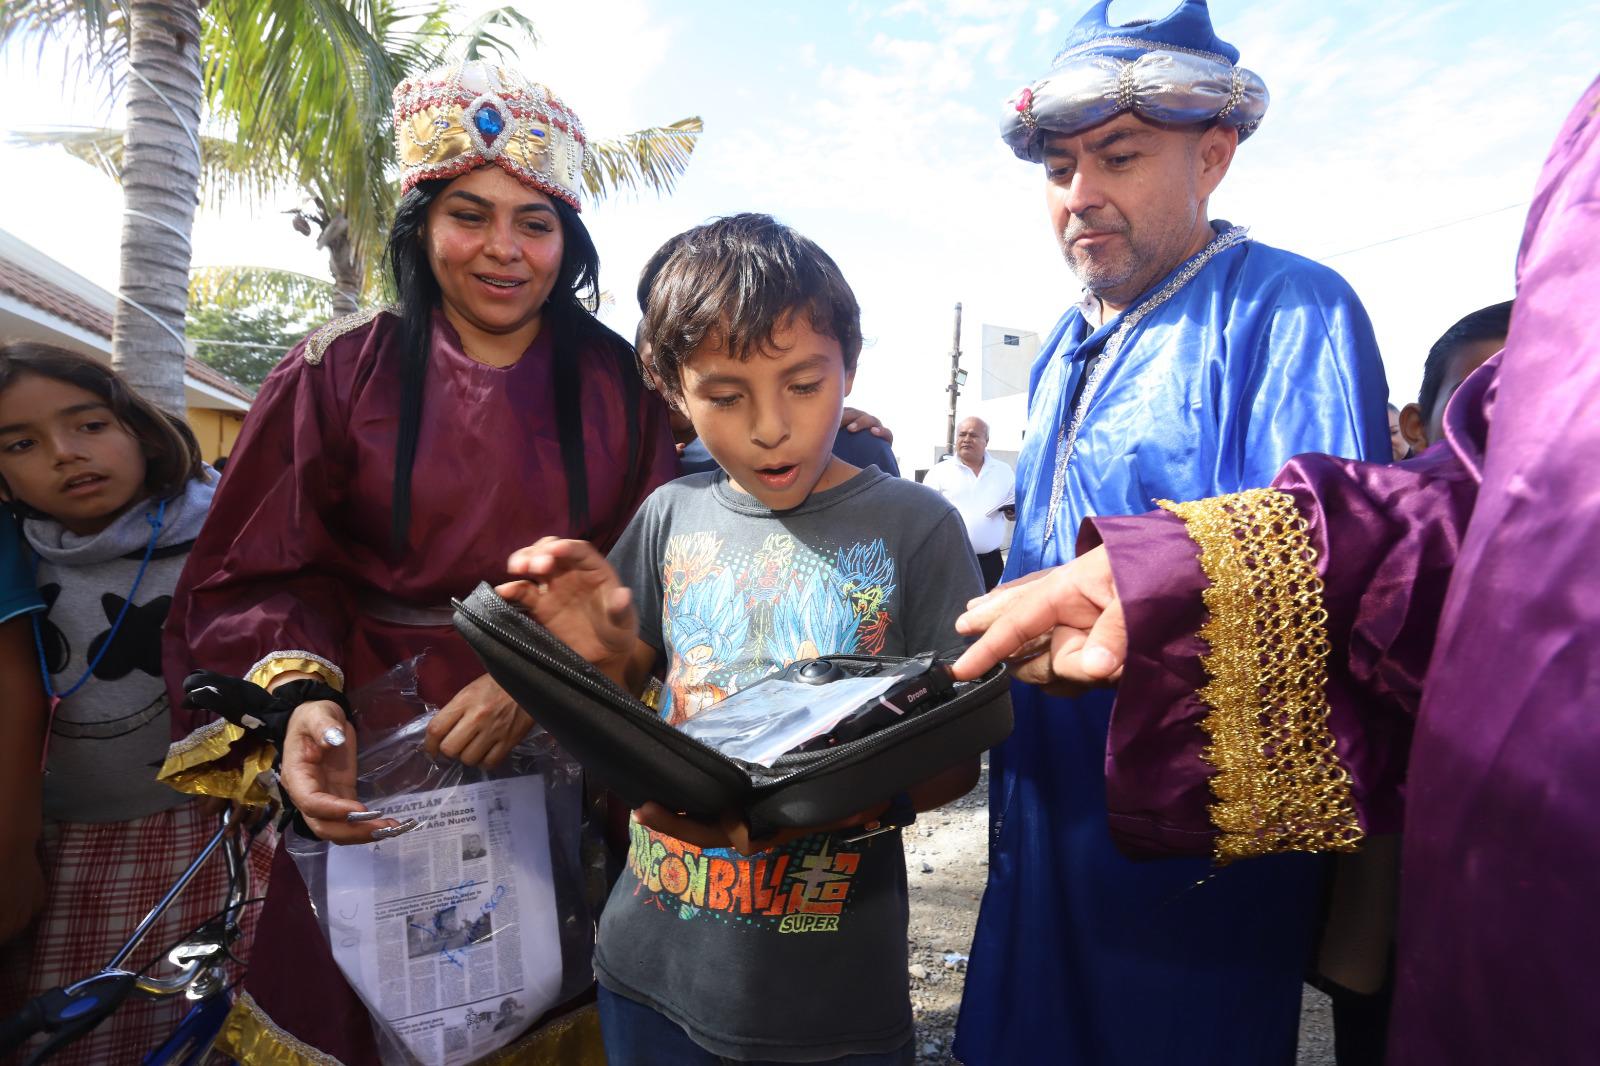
(575,334)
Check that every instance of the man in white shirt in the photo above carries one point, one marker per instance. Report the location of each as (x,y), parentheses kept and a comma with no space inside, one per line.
(982,489)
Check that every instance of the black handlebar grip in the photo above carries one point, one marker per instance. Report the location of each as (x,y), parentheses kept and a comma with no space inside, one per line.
(15,1030)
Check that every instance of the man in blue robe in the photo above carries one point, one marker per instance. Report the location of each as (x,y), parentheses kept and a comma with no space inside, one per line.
(1197,362)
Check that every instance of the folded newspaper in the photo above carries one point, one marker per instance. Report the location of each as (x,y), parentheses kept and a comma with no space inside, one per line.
(449,932)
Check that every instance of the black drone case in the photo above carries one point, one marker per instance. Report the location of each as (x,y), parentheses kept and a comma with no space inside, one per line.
(628,747)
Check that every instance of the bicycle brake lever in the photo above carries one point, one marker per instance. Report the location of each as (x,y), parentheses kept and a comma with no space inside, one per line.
(193,950)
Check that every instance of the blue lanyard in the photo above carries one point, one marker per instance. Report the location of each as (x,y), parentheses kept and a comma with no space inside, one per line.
(155,521)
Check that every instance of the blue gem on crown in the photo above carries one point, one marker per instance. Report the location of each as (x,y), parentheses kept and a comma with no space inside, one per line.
(486,119)
(489,123)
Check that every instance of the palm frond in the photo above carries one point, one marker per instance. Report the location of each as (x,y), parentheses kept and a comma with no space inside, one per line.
(649,159)
(483,35)
(307,83)
(224,170)
(94,33)
(243,287)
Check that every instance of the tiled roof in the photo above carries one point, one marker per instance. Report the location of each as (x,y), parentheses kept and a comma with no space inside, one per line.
(217,379)
(31,289)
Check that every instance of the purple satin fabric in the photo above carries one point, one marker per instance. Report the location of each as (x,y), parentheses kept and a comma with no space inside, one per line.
(1464,614)
(1156,803)
(1501,863)
(1381,605)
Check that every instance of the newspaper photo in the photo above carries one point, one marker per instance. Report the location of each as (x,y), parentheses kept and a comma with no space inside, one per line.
(449,932)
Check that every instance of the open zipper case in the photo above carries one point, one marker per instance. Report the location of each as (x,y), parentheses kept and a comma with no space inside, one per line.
(630,749)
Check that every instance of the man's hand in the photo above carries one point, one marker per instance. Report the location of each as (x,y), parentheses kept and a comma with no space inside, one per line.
(320,776)
(573,592)
(856,421)
(732,832)
(1061,629)
(22,889)
(479,726)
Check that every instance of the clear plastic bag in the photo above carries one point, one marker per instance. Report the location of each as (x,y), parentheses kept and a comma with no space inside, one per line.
(461,933)
(773,716)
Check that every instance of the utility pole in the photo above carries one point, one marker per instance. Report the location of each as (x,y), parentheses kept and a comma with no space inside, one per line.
(958,377)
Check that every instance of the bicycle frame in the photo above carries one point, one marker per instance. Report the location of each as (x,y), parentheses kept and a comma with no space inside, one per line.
(71,1012)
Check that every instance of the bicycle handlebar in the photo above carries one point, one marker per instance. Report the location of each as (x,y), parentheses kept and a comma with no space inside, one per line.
(68,1013)
(17,1028)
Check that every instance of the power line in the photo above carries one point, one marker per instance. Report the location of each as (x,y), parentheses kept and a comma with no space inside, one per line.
(1420,232)
(241,344)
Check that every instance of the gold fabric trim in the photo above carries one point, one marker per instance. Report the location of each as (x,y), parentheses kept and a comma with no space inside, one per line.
(251,1036)
(329,332)
(1279,785)
(570,1040)
(282,662)
(210,741)
(190,765)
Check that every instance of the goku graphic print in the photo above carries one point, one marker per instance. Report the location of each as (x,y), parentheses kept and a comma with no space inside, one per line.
(731,615)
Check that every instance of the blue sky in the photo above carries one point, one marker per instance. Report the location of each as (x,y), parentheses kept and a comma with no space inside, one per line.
(871,127)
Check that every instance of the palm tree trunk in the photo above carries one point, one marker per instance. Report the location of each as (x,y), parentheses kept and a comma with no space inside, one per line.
(161,181)
(347,272)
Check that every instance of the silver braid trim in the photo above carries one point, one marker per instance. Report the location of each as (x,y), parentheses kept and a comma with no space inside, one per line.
(1072,422)
(1235,95)
(1133,42)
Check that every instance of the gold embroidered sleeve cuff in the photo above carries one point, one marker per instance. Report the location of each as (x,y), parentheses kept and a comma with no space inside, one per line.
(305,662)
(1279,785)
(220,760)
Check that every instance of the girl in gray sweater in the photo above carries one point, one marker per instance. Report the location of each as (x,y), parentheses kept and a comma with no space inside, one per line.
(112,492)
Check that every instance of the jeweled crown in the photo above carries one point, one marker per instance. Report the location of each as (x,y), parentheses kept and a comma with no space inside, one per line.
(457,118)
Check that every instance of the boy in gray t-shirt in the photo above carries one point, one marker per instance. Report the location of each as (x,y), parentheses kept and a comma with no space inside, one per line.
(714,946)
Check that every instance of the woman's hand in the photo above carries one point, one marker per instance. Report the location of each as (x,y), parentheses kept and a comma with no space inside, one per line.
(574,593)
(479,726)
(319,775)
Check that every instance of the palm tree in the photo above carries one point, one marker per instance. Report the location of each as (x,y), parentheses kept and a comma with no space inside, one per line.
(158,43)
(302,88)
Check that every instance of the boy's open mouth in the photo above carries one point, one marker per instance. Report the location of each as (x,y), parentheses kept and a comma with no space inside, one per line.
(778,477)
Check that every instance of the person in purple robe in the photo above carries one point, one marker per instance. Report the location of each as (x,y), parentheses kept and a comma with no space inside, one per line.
(394,459)
(1359,647)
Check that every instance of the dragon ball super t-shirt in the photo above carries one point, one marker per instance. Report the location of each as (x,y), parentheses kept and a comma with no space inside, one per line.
(799,953)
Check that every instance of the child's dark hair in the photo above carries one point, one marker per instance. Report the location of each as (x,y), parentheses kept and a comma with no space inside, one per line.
(575,333)
(652,270)
(1486,323)
(171,453)
(735,281)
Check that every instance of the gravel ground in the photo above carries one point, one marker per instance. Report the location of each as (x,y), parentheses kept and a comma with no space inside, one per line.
(946,864)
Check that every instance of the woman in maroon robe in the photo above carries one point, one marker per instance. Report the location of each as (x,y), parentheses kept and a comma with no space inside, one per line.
(395,459)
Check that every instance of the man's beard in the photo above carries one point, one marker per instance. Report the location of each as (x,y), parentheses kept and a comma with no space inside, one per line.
(1106,272)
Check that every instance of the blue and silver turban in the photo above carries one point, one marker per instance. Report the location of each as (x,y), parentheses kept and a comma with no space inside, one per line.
(1173,70)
